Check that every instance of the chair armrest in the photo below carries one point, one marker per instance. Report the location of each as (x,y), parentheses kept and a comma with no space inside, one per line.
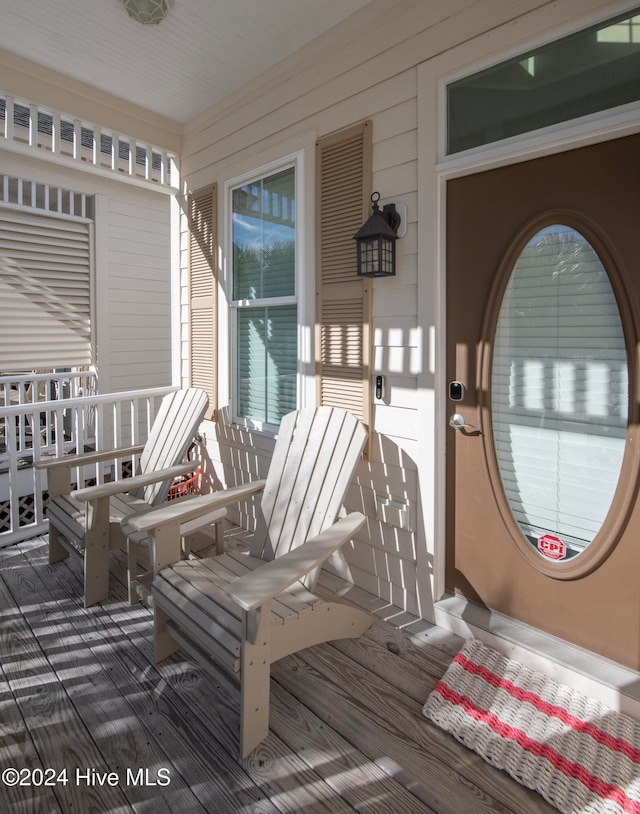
(88,458)
(118,487)
(182,511)
(254,589)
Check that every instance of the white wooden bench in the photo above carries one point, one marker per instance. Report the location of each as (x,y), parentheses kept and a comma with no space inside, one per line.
(89,519)
(238,613)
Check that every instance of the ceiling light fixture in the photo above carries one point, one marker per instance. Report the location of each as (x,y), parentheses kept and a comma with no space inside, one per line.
(148,12)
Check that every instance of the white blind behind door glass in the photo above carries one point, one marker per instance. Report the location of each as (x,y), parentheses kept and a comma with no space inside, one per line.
(559,390)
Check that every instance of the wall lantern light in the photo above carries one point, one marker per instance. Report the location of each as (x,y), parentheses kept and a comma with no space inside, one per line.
(376,241)
(148,12)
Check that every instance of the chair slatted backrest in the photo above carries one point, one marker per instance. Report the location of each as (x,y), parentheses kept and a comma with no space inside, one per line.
(315,457)
(170,437)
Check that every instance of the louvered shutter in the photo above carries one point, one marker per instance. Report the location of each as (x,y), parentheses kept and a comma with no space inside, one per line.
(343,315)
(45,291)
(202,295)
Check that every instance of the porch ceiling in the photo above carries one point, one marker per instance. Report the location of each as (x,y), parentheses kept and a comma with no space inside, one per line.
(202,51)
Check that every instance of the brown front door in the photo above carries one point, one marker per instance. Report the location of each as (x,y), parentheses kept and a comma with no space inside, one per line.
(543,293)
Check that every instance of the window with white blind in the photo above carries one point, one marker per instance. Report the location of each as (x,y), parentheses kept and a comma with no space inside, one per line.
(45,283)
(559,392)
(264,302)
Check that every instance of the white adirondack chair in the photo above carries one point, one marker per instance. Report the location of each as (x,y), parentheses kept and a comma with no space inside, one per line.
(89,519)
(237,613)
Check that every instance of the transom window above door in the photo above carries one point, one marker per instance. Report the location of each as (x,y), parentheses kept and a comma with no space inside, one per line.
(588,72)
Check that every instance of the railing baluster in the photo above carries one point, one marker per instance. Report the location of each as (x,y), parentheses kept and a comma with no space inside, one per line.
(23,420)
(56,137)
(14,494)
(117,437)
(132,157)
(37,479)
(9,129)
(77,139)
(96,145)
(100,439)
(115,151)
(33,125)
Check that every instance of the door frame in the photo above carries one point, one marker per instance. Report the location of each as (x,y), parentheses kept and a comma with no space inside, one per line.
(435,169)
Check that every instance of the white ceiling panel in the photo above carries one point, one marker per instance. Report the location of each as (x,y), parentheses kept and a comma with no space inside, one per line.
(203,50)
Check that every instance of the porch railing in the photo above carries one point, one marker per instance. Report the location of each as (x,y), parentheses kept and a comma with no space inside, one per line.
(31,388)
(71,424)
(26,126)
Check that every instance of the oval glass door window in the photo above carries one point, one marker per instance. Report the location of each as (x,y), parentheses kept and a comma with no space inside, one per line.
(559,392)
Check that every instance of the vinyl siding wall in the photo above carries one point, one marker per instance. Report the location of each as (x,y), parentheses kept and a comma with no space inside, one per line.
(371,67)
(139,288)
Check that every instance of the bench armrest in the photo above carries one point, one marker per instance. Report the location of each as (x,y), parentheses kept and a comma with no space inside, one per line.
(83,458)
(118,487)
(254,589)
(182,511)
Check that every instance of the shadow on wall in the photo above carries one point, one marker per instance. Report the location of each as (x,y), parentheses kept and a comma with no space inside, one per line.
(383,559)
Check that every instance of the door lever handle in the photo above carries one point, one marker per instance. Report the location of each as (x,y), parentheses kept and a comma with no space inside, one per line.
(458,423)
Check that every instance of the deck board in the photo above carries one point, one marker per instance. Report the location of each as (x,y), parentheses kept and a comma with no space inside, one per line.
(79,688)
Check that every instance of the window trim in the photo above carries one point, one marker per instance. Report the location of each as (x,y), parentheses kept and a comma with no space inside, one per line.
(293,160)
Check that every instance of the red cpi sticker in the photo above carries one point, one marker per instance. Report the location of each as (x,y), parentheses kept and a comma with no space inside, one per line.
(552,547)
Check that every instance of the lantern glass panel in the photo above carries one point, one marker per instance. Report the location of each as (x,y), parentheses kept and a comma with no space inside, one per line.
(388,252)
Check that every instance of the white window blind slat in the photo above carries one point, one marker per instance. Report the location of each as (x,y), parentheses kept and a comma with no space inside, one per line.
(267,362)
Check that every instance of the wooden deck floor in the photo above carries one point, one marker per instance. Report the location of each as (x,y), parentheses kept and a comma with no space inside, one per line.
(81,695)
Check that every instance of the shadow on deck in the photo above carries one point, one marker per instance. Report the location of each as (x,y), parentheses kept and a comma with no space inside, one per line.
(81,696)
